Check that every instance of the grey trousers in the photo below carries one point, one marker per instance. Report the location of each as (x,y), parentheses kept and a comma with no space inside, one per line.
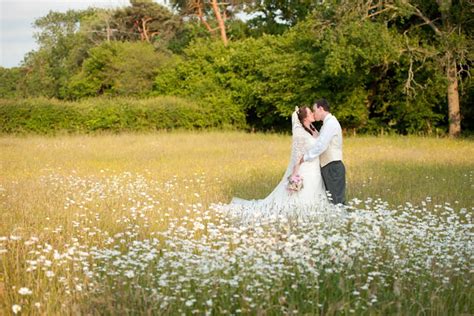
(334,177)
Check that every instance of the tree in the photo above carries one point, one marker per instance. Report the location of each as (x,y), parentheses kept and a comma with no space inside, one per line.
(212,14)
(61,52)
(277,16)
(446,26)
(37,76)
(145,21)
(9,78)
(65,40)
(117,69)
(97,27)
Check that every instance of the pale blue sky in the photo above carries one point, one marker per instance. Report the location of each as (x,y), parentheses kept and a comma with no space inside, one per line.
(17,17)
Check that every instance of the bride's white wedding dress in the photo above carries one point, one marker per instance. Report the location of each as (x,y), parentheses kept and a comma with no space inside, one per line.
(310,199)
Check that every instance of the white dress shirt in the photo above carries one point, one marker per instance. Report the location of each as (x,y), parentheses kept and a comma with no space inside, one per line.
(330,129)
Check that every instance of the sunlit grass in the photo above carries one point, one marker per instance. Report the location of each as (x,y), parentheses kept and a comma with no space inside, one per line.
(63,196)
(396,169)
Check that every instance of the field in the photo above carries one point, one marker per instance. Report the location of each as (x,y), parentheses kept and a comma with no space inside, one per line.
(127,224)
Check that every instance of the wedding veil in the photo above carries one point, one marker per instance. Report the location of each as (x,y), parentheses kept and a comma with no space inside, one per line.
(298,141)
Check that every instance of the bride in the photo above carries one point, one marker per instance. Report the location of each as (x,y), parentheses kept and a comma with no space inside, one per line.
(282,201)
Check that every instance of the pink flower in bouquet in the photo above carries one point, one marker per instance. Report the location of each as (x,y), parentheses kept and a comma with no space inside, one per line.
(295,183)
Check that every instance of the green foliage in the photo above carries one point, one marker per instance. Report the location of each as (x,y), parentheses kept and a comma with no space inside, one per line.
(191,31)
(9,78)
(41,116)
(61,51)
(145,20)
(382,69)
(247,75)
(117,69)
(49,116)
(277,16)
(365,69)
(468,108)
(38,79)
(202,75)
(358,67)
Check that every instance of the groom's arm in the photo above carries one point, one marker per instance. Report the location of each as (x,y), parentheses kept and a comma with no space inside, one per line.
(322,142)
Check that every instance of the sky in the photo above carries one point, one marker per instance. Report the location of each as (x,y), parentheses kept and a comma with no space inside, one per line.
(17,17)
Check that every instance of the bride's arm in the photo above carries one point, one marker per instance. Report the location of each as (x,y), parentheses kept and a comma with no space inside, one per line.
(296,169)
(299,141)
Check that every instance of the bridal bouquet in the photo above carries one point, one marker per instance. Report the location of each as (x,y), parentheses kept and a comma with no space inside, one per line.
(295,183)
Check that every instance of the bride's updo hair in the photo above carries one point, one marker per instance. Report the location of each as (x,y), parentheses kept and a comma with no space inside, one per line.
(302,114)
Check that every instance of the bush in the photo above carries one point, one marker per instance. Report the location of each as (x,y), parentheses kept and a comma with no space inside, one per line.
(49,116)
(113,69)
(41,116)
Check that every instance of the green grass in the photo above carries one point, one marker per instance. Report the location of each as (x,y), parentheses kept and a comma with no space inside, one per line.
(79,191)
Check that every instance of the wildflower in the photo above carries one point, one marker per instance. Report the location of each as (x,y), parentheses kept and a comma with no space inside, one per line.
(25,291)
(16,309)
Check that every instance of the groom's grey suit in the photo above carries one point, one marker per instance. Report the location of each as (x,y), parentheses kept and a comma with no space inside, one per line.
(329,149)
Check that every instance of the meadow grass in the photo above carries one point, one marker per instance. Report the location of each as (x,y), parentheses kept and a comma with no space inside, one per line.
(124,224)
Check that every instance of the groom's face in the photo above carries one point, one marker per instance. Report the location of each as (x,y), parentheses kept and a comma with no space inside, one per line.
(317,113)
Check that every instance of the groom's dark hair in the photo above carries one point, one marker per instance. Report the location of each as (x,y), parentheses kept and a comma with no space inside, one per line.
(322,103)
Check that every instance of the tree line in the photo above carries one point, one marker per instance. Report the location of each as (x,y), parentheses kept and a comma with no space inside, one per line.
(400,66)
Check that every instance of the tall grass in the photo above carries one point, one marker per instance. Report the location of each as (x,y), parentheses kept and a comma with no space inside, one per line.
(125,224)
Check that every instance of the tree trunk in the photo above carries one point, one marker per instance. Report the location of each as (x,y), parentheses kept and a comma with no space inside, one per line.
(145,29)
(108,31)
(453,100)
(198,6)
(444,7)
(454,115)
(220,21)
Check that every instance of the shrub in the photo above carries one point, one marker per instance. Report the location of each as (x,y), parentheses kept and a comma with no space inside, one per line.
(49,116)
(39,115)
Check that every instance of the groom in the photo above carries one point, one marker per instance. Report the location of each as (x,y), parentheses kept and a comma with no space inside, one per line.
(329,149)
